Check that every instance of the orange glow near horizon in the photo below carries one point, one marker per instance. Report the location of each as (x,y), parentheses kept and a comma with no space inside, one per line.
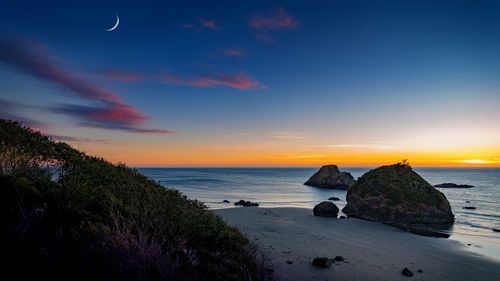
(276,154)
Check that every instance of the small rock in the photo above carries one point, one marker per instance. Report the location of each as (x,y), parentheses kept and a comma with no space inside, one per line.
(407,272)
(246,203)
(338,258)
(453,185)
(469,244)
(334,198)
(496,229)
(420,271)
(342,217)
(321,262)
(467,201)
(226,201)
(326,209)
(289,262)
(469,208)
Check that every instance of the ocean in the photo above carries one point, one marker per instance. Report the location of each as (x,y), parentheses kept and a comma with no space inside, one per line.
(283,187)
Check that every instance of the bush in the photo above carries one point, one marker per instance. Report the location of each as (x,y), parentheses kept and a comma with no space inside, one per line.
(103,221)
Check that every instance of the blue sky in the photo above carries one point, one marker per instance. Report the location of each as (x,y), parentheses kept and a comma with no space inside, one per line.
(292,74)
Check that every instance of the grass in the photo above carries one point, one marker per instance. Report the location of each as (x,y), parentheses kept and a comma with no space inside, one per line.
(103,221)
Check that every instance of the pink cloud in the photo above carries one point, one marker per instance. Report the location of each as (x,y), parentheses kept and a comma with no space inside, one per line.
(112,112)
(264,37)
(276,21)
(210,24)
(237,81)
(123,76)
(234,52)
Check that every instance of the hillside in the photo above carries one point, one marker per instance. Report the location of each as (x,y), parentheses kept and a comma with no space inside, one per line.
(66,215)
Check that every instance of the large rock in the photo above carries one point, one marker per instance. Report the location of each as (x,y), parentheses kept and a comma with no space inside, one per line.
(396,194)
(329,176)
(326,209)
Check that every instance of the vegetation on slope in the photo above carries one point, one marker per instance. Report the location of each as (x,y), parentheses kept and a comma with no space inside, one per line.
(69,216)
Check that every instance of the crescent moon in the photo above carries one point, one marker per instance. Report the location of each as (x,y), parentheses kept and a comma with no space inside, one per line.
(116,24)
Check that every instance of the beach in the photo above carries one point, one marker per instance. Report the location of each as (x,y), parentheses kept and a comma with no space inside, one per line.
(372,251)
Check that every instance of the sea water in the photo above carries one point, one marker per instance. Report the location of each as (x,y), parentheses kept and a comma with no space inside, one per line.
(283,187)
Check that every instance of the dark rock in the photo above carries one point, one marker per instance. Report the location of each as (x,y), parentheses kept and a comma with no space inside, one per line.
(326,209)
(467,201)
(496,229)
(425,231)
(420,271)
(321,262)
(289,262)
(338,258)
(407,272)
(226,201)
(329,176)
(334,198)
(469,208)
(453,185)
(246,203)
(397,194)
(342,217)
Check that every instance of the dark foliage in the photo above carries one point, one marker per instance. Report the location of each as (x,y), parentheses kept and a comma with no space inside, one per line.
(65,215)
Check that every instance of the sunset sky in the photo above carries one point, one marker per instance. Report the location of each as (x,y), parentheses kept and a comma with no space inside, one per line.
(258,83)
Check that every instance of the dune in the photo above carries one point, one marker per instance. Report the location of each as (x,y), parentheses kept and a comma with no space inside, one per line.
(372,251)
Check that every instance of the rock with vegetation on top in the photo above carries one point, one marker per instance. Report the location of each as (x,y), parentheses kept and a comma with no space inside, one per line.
(326,209)
(329,176)
(396,194)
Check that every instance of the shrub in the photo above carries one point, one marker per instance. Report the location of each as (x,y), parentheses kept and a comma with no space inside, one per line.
(103,221)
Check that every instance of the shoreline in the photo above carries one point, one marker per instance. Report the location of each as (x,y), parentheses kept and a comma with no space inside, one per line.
(372,251)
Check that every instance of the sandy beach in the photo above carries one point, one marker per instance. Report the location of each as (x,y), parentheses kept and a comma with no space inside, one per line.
(372,251)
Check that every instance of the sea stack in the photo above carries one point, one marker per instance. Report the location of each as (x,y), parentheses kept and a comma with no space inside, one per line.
(396,194)
(329,176)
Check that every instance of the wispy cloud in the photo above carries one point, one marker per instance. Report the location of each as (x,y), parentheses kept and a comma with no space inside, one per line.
(238,81)
(276,21)
(311,156)
(264,37)
(233,52)
(290,135)
(7,109)
(112,112)
(210,24)
(362,146)
(75,139)
(123,76)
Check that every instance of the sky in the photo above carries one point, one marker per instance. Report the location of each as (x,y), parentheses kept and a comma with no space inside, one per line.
(258,83)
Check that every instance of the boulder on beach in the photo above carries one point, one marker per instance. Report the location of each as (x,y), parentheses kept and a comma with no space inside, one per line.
(407,272)
(321,262)
(329,176)
(453,185)
(396,194)
(326,209)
